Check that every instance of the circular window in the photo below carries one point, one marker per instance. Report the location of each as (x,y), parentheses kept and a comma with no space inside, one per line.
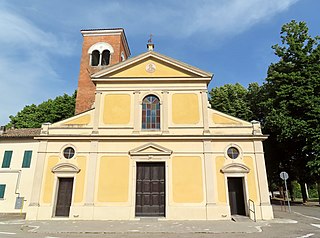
(233,152)
(68,153)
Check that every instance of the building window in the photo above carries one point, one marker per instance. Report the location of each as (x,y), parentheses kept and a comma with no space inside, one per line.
(27,159)
(7,159)
(233,152)
(151,113)
(100,54)
(122,57)
(68,153)
(95,58)
(105,57)
(2,190)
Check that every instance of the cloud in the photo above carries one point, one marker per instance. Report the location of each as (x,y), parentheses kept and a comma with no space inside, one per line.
(181,19)
(38,38)
(26,67)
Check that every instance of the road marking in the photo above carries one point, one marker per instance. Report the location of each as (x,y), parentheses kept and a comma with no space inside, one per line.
(305,236)
(7,233)
(282,220)
(11,223)
(34,228)
(258,228)
(315,218)
(316,225)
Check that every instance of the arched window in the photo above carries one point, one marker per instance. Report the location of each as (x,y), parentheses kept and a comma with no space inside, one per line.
(100,54)
(95,58)
(151,113)
(105,57)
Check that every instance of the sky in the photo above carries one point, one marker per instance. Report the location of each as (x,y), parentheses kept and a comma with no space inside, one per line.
(40,41)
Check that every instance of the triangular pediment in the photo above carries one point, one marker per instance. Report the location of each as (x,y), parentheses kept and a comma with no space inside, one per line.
(151,65)
(150,149)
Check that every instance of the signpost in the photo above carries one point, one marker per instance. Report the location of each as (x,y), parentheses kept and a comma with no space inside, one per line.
(284,176)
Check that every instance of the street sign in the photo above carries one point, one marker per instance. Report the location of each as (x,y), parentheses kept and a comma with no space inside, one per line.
(284,175)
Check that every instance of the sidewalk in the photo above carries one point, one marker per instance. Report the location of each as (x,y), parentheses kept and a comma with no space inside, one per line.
(152,225)
(142,226)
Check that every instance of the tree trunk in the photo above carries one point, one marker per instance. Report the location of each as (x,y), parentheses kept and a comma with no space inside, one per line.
(290,188)
(303,191)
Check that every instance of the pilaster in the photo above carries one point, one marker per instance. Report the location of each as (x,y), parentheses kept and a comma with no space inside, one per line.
(32,213)
(136,112)
(204,102)
(165,112)
(97,110)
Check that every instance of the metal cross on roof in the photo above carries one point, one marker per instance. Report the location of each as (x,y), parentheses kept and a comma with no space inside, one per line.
(150,39)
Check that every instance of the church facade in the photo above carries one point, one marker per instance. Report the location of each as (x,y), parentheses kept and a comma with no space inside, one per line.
(145,143)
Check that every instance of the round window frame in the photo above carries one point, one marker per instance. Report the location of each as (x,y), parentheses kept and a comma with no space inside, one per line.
(66,147)
(237,148)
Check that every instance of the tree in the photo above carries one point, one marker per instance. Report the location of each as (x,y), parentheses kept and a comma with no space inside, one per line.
(231,99)
(33,116)
(292,92)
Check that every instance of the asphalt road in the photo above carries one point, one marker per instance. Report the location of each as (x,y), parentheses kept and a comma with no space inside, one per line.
(302,222)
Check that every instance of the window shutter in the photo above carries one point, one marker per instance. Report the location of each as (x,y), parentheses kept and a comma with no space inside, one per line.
(27,159)
(7,159)
(2,189)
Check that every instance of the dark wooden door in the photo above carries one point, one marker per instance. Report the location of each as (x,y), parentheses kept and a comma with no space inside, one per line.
(236,196)
(64,197)
(150,189)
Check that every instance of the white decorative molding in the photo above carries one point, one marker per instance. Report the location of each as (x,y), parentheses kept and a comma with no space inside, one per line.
(151,68)
(150,150)
(101,46)
(235,168)
(65,168)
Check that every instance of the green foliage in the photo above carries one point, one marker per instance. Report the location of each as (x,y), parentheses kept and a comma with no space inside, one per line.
(287,105)
(292,88)
(33,116)
(231,99)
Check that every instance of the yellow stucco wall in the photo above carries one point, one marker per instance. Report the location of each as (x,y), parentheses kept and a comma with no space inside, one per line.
(83,120)
(113,179)
(219,119)
(80,179)
(117,109)
(185,108)
(221,180)
(187,179)
(251,178)
(49,179)
(161,70)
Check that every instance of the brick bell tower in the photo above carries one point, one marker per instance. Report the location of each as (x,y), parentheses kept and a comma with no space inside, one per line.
(101,48)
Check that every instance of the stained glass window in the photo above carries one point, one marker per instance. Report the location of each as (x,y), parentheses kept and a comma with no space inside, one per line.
(151,113)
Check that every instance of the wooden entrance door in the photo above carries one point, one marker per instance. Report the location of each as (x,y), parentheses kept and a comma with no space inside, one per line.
(236,196)
(64,197)
(150,189)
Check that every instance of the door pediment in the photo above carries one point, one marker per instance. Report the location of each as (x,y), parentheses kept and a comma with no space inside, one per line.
(235,168)
(65,168)
(150,149)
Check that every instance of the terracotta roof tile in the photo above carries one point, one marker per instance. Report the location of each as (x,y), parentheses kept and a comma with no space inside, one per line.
(24,132)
